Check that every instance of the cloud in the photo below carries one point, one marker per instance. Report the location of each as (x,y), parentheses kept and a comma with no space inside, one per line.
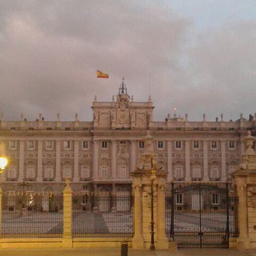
(50,51)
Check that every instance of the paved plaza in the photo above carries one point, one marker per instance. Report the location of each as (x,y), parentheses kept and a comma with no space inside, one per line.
(131,252)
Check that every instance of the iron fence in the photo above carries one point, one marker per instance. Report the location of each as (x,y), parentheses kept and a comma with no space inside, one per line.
(32,215)
(201,214)
(102,215)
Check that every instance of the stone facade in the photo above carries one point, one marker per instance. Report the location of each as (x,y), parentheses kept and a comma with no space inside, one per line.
(99,156)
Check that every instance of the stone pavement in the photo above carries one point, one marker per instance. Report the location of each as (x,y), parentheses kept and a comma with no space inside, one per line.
(131,252)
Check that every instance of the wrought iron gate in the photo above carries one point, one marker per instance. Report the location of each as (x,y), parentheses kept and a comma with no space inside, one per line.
(202,215)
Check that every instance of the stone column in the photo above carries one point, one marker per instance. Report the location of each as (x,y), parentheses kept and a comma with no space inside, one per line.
(67,216)
(95,159)
(223,161)
(187,162)
(242,207)
(205,150)
(76,160)
(169,161)
(245,185)
(162,240)
(40,162)
(137,241)
(113,159)
(58,176)
(21,162)
(149,205)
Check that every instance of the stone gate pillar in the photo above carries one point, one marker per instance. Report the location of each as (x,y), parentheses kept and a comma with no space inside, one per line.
(245,188)
(67,216)
(148,177)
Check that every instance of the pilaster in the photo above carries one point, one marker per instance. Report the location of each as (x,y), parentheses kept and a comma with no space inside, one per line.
(187,162)
(223,161)
(21,161)
(95,159)
(132,156)
(169,161)
(58,177)
(205,152)
(76,158)
(40,161)
(113,159)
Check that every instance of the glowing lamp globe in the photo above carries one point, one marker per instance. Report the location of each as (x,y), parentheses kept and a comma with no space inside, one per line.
(3,162)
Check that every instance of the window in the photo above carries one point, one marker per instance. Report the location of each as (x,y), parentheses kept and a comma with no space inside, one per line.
(67,144)
(30,144)
(160,144)
(178,172)
(49,144)
(196,172)
(123,142)
(48,172)
(214,145)
(141,144)
(231,145)
(12,144)
(178,144)
(179,199)
(104,144)
(196,144)
(67,171)
(85,144)
(30,171)
(85,172)
(104,171)
(215,199)
(214,172)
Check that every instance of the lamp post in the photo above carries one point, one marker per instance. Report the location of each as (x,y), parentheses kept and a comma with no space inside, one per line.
(152,178)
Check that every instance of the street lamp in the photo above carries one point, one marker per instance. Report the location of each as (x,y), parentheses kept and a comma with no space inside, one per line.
(152,178)
(3,163)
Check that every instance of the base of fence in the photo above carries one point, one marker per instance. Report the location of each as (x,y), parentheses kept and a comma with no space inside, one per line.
(94,242)
(19,243)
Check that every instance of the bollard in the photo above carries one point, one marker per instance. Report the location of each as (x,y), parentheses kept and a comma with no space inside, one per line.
(124,249)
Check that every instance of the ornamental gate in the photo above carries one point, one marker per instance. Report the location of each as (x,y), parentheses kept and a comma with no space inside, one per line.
(202,215)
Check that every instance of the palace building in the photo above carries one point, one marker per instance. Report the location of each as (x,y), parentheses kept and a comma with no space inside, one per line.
(99,155)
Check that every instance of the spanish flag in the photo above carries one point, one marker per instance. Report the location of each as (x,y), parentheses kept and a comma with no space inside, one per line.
(101,74)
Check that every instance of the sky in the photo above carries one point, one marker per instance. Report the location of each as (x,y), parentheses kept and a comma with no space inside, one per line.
(198,56)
